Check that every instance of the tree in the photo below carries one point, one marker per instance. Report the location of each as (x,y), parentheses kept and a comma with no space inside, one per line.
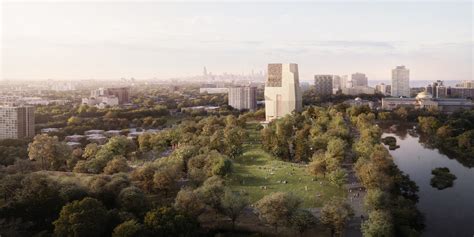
(401,113)
(428,125)
(335,214)
(36,199)
(130,228)
(318,165)
(208,164)
(132,199)
(117,165)
(116,146)
(49,151)
(167,221)
(376,199)
(212,191)
(338,177)
(163,180)
(277,208)
(232,204)
(302,220)
(233,139)
(72,121)
(144,177)
(378,224)
(90,151)
(87,217)
(188,202)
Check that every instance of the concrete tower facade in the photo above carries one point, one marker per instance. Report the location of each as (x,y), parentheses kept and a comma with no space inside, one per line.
(400,82)
(282,91)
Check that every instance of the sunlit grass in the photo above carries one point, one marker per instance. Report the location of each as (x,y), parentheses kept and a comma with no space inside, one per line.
(257,169)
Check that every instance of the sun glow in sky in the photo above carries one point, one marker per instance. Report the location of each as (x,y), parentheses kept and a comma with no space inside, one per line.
(107,40)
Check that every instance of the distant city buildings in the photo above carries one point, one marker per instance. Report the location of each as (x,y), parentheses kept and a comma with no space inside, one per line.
(466,84)
(104,97)
(339,82)
(323,85)
(437,89)
(214,90)
(63,86)
(17,122)
(122,93)
(243,98)
(400,82)
(357,90)
(282,91)
(27,100)
(359,79)
(383,89)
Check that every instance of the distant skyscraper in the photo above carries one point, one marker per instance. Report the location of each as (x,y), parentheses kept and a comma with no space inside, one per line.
(243,98)
(323,84)
(400,82)
(282,91)
(359,79)
(17,122)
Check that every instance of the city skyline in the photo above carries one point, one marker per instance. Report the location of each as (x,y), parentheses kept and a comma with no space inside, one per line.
(92,40)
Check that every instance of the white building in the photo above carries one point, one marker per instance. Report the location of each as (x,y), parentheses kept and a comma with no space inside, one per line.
(243,98)
(282,90)
(101,101)
(400,82)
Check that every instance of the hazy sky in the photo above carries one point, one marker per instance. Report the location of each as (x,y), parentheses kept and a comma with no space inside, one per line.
(145,40)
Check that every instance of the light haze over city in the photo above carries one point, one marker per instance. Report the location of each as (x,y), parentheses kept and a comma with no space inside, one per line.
(107,40)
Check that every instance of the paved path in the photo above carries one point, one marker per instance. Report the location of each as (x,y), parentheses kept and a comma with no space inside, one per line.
(355,191)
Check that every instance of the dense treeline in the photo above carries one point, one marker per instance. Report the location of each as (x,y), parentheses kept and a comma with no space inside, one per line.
(183,184)
(453,134)
(391,196)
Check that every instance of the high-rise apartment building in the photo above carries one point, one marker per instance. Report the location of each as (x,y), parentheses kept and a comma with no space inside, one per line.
(243,98)
(282,90)
(17,122)
(323,84)
(359,79)
(400,82)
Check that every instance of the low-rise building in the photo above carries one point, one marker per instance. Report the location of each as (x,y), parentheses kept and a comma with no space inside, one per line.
(219,90)
(425,100)
(358,90)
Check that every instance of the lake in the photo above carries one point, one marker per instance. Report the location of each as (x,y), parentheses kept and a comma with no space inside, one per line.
(448,212)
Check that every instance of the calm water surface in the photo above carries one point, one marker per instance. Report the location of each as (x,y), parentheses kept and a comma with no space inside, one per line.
(448,212)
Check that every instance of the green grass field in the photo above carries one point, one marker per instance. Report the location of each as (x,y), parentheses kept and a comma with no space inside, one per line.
(256,169)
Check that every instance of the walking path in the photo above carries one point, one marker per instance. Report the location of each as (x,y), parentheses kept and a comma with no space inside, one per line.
(355,191)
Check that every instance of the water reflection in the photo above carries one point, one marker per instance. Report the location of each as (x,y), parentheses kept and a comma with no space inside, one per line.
(449,212)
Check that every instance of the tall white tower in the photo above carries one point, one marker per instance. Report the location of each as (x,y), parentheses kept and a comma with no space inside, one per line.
(400,82)
(282,91)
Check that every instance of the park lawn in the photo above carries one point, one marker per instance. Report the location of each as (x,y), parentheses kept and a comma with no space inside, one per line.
(256,168)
